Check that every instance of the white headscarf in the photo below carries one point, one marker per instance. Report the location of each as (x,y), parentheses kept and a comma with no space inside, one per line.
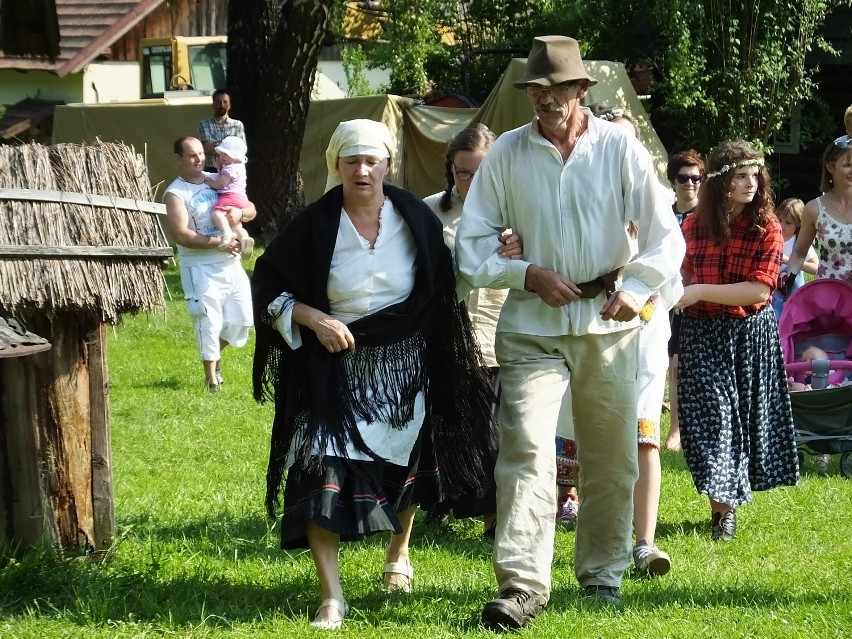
(356,137)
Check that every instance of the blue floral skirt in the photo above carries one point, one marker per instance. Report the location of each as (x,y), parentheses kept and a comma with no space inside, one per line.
(734,408)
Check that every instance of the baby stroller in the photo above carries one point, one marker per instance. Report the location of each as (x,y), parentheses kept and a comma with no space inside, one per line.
(820,314)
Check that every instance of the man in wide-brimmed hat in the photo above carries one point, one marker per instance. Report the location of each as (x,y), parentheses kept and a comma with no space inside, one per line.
(573,187)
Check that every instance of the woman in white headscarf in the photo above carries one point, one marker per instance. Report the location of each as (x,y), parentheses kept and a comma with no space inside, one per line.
(371,363)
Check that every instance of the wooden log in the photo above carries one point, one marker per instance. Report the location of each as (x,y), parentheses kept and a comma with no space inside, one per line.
(102,487)
(28,513)
(68,432)
(30,251)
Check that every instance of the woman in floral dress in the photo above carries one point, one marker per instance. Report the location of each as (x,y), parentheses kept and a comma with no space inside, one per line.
(828,218)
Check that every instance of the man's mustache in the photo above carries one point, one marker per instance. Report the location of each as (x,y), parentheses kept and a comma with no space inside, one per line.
(548,108)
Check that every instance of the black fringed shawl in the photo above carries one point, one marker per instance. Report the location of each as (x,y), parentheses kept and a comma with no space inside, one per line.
(308,384)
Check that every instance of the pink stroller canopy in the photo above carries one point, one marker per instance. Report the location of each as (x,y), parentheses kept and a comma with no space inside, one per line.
(819,308)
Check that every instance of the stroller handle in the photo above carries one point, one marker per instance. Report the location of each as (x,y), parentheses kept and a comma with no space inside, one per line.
(805,367)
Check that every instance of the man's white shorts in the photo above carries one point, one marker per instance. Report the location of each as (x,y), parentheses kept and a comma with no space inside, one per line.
(219,298)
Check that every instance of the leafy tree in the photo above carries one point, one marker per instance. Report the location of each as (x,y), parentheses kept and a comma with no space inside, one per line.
(273,48)
(726,69)
(411,35)
(354,64)
(454,43)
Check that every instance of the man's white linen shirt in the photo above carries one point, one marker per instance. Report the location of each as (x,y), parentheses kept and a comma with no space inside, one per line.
(573,217)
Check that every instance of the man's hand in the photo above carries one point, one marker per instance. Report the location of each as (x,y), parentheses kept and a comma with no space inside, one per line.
(235,214)
(620,307)
(553,289)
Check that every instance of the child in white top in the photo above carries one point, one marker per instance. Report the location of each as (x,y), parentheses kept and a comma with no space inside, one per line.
(789,214)
(231,185)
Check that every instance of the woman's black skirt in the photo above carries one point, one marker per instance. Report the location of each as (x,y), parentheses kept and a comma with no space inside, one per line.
(356,499)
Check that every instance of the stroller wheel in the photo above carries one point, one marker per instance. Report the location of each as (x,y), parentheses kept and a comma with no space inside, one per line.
(846,464)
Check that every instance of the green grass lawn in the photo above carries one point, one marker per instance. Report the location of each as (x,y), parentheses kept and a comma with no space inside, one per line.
(195,555)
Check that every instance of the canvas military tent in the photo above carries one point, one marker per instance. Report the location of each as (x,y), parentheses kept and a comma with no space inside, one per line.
(422,132)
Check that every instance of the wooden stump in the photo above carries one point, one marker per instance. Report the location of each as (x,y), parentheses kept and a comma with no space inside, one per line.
(55,444)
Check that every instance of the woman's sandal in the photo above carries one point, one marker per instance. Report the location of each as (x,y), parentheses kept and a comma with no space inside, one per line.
(398,576)
(341,607)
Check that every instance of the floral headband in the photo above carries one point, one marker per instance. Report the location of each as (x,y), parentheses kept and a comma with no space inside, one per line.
(612,114)
(735,165)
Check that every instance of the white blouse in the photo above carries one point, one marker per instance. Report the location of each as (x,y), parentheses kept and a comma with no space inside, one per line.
(483,304)
(361,281)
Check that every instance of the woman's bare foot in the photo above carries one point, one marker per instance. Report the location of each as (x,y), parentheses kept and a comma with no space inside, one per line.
(673,440)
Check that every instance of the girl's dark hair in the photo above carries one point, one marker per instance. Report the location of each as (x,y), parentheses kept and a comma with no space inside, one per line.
(476,137)
(715,210)
(831,154)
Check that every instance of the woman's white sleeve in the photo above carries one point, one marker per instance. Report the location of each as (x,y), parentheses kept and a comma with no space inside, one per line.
(281,312)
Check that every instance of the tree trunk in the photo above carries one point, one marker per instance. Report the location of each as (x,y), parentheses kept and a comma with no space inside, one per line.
(273,50)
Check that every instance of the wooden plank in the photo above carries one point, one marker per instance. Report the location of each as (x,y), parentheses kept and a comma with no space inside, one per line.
(87,199)
(67,430)
(30,516)
(31,252)
(14,130)
(7,530)
(102,487)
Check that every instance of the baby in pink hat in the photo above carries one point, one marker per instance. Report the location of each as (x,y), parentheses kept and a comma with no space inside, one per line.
(231,185)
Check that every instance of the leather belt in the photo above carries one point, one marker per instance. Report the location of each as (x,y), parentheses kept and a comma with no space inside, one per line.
(604,283)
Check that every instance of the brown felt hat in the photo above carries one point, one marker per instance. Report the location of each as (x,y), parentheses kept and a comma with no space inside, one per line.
(554,60)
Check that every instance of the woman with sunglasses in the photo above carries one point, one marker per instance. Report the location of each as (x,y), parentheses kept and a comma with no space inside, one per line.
(464,155)
(827,220)
(685,171)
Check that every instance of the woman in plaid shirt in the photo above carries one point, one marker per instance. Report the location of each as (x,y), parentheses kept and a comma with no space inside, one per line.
(736,425)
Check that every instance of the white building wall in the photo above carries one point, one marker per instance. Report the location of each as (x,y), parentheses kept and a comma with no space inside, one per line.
(103,82)
(111,82)
(98,82)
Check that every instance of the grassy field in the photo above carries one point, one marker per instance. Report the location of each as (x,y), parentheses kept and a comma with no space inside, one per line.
(196,557)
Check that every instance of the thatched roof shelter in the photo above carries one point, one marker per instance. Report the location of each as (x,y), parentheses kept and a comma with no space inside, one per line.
(80,244)
(78,231)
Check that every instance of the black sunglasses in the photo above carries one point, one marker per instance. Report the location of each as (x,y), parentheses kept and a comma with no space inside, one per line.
(683,179)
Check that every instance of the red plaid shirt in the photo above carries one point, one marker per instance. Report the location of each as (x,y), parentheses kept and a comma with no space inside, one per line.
(745,257)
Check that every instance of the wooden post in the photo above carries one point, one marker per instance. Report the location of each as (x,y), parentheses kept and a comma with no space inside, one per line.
(55,462)
(25,498)
(102,488)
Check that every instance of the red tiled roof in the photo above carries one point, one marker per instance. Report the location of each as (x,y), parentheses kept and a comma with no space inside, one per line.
(86,28)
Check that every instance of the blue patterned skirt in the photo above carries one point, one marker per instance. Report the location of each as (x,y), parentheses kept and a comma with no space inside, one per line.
(734,408)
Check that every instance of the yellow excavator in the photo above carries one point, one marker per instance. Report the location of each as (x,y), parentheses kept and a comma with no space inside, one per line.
(199,64)
(178,63)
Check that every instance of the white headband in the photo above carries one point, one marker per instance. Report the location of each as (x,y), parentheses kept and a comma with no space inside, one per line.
(735,165)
